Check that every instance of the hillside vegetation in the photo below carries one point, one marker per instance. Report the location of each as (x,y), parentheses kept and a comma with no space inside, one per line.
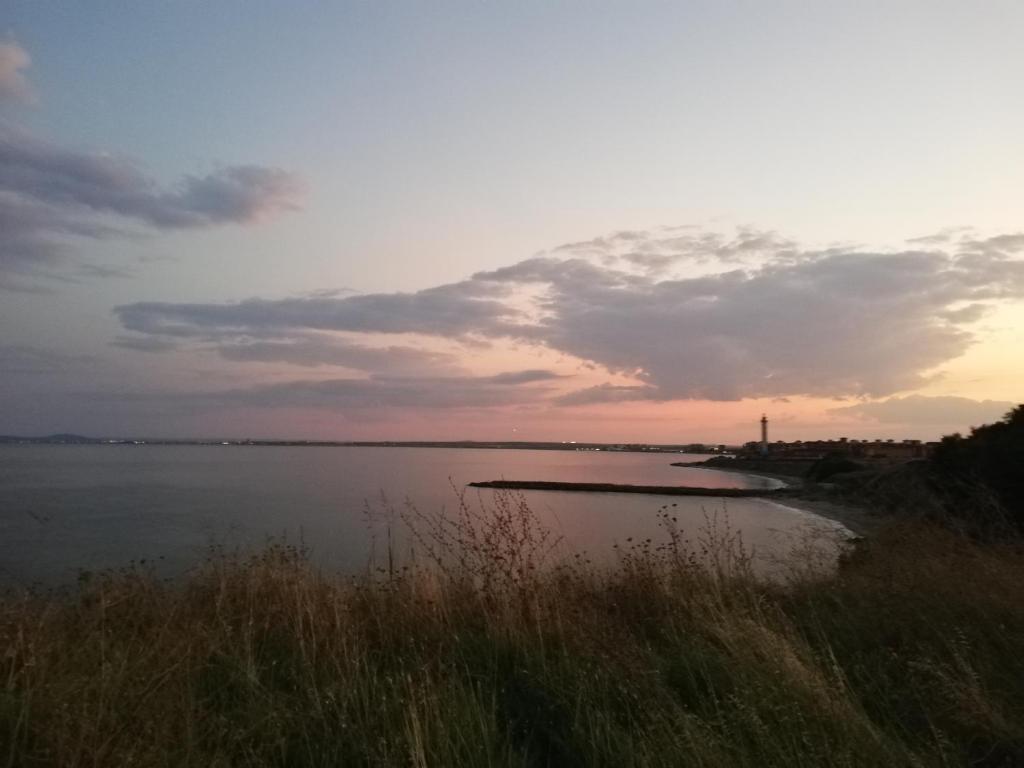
(487,654)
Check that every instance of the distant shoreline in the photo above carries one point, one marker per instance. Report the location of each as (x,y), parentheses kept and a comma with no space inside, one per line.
(470,444)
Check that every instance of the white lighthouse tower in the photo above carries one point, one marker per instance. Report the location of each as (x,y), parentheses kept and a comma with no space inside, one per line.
(764,434)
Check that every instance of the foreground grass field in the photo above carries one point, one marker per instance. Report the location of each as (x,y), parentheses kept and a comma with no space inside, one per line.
(911,655)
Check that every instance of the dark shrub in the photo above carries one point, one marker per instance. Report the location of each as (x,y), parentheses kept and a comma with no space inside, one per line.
(991,458)
(832,464)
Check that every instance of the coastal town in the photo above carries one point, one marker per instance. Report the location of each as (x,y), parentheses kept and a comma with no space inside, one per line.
(890,449)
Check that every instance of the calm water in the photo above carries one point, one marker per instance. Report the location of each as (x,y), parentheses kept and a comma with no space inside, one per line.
(68,507)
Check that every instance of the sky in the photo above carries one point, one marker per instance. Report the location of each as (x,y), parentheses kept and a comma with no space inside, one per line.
(591,221)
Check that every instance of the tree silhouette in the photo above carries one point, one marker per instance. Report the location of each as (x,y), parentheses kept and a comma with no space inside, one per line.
(991,456)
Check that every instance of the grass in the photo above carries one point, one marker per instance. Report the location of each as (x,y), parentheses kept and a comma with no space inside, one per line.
(488,651)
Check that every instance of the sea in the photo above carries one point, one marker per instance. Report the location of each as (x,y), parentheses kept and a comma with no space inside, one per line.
(69,509)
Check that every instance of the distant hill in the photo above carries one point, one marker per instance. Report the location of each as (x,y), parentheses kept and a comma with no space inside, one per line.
(61,439)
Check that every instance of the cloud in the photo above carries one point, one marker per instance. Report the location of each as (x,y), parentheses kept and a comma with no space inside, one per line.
(656,250)
(13,84)
(943,237)
(524,377)
(31,232)
(307,350)
(608,393)
(449,310)
(1000,245)
(84,183)
(51,197)
(379,391)
(22,359)
(144,343)
(921,409)
(833,322)
(968,314)
(318,350)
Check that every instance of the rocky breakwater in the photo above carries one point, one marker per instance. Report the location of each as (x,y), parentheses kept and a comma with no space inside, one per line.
(655,490)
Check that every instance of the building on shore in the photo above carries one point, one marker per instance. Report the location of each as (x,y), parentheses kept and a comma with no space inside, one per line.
(882,450)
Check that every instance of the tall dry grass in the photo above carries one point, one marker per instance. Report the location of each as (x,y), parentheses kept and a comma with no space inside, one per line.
(489,650)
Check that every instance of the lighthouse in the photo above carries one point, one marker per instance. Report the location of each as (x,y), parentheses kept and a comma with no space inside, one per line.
(764,434)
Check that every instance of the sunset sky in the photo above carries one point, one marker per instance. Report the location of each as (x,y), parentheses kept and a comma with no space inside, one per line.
(612,221)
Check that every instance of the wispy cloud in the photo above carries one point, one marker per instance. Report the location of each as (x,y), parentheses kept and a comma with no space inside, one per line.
(317,350)
(656,250)
(51,196)
(144,343)
(14,85)
(449,310)
(26,360)
(379,391)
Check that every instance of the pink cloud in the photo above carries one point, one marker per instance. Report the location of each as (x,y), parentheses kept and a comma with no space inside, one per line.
(13,84)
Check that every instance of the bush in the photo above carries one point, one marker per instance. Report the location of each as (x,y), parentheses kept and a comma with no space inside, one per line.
(830,465)
(990,459)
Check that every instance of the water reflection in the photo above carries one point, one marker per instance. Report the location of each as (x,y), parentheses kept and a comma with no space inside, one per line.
(69,507)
